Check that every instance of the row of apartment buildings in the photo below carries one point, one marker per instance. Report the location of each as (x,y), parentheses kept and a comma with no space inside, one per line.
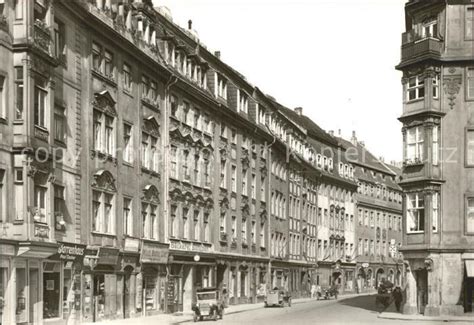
(136,167)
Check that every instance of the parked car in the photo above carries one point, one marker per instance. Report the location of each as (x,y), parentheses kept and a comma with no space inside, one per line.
(332,291)
(277,297)
(208,304)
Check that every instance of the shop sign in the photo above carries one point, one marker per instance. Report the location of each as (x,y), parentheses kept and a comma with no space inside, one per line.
(69,252)
(154,253)
(131,244)
(8,250)
(107,256)
(190,246)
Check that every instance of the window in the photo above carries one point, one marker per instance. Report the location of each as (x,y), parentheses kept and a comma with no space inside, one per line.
(470,215)
(150,221)
(197,225)
(262,234)
(185,223)
(470,147)
(19,9)
(244,231)
(3,109)
(244,182)
(153,91)
(435,145)
(127,217)
(59,39)
(145,86)
(470,82)
(59,207)
(173,160)
(234,178)
(127,143)
(104,140)
(40,203)
(149,152)
(430,29)
(262,189)
(234,228)
(243,104)
(435,84)
(469,23)
(18,92)
(96,57)
(3,198)
(174,106)
(221,86)
(415,88)
(435,204)
(414,149)
(174,221)
(108,64)
(103,212)
(59,124)
(40,106)
(415,212)
(127,76)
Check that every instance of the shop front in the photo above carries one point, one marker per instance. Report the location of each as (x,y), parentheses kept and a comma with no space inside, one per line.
(102,285)
(192,266)
(154,260)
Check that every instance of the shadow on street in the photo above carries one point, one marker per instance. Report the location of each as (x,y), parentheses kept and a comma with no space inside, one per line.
(364,302)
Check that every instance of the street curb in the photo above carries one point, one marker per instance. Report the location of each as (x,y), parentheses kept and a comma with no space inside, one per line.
(426,318)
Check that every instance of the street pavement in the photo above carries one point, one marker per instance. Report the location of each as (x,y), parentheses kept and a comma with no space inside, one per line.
(350,310)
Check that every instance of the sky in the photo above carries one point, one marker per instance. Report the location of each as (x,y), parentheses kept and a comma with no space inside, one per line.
(334,58)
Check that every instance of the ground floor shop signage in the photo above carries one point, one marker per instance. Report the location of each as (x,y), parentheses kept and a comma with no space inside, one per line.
(107,256)
(131,244)
(190,246)
(154,253)
(69,252)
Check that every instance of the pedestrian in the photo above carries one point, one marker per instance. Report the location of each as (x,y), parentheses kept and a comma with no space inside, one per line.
(397,297)
(313,291)
(318,291)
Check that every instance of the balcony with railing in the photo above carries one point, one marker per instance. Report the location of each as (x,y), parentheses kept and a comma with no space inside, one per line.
(417,48)
(42,36)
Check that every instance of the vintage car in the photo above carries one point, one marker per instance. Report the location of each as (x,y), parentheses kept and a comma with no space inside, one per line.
(277,297)
(208,304)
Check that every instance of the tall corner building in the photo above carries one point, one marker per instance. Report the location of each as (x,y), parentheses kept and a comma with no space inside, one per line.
(437,61)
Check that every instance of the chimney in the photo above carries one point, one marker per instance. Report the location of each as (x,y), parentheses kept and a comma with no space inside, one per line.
(190,24)
(217,54)
(354,138)
(331,133)
(382,159)
(339,133)
(299,110)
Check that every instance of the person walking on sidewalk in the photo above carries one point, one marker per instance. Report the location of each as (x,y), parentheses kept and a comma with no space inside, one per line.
(313,291)
(397,297)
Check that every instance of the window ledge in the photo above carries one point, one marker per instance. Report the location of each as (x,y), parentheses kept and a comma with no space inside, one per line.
(415,232)
(108,79)
(3,120)
(17,122)
(104,234)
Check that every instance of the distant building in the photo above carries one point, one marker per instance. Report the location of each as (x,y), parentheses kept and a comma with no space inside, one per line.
(378,227)
(437,56)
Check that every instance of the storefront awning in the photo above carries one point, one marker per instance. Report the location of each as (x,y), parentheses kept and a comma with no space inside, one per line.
(470,268)
(32,251)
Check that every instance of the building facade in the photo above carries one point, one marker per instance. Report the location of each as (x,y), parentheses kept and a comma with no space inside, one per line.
(137,168)
(438,179)
(379,217)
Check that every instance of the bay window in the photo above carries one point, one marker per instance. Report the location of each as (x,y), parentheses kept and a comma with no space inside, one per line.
(414,144)
(40,110)
(415,88)
(415,213)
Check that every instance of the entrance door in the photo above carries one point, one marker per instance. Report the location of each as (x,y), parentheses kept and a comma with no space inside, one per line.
(126,295)
(422,290)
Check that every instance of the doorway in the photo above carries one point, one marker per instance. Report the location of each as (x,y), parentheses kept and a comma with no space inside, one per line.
(421,290)
(127,291)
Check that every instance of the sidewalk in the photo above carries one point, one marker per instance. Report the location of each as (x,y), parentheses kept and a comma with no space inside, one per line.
(176,319)
(391,313)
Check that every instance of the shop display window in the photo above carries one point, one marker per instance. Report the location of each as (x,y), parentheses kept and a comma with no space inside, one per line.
(51,290)
(150,293)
